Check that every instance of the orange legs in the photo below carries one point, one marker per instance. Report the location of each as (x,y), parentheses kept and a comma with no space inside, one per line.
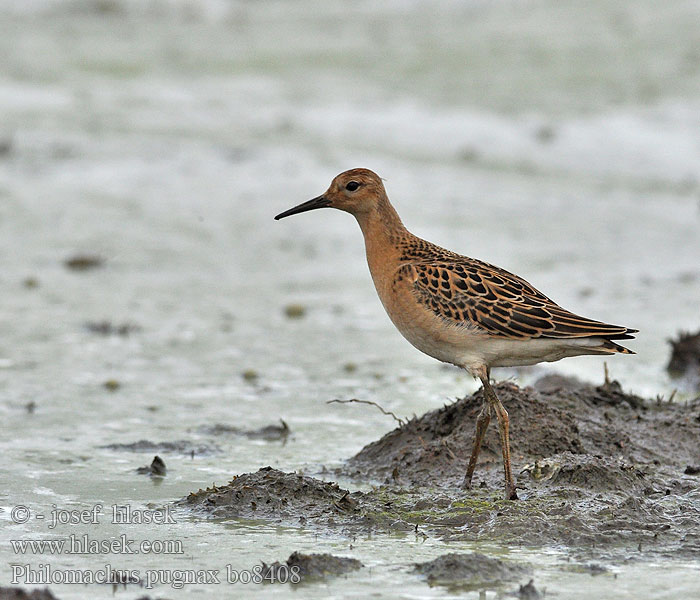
(492,403)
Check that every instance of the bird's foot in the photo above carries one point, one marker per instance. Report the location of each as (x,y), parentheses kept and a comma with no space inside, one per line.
(511,494)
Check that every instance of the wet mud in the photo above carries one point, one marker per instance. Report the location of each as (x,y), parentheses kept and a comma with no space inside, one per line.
(600,471)
(471,571)
(309,567)
(287,498)
(17,593)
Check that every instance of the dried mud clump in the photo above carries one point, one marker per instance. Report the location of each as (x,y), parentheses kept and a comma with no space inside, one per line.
(273,495)
(685,356)
(471,571)
(310,566)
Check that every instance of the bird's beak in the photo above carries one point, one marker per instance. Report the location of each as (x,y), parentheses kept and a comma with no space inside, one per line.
(320,202)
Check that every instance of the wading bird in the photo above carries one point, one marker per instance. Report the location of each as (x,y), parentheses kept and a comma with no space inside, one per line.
(460,310)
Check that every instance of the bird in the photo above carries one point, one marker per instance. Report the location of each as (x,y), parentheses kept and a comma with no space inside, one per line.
(461,310)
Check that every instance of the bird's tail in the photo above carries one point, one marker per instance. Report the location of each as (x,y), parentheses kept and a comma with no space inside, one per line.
(610,347)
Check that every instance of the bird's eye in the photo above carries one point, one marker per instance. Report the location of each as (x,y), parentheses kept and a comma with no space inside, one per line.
(352,186)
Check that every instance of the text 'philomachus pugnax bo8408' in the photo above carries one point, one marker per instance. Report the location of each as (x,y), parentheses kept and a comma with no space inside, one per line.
(458,309)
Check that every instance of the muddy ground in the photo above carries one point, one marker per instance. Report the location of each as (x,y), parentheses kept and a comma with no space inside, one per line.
(605,473)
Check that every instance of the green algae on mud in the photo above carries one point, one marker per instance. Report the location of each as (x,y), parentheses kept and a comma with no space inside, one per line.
(596,468)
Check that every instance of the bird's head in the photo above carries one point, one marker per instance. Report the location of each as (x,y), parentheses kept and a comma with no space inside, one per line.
(356,191)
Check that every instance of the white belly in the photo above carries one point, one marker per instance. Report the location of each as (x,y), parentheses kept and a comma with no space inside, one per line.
(471,349)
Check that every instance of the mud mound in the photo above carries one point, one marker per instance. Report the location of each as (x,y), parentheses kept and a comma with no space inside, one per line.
(685,357)
(276,496)
(435,447)
(471,571)
(600,471)
(310,566)
(563,417)
(591,473)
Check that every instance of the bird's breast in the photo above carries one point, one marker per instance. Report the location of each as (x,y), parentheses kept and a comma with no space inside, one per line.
(425,330)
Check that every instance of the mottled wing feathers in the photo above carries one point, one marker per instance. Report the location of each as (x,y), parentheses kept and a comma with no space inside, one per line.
(467,291)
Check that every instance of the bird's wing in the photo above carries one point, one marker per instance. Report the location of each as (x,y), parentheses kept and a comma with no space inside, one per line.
(467,291)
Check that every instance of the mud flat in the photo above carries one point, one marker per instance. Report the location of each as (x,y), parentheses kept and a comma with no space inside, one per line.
(600,471)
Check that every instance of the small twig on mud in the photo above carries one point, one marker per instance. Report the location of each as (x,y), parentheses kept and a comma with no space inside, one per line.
(449,450)
(400,421)
(661,398)
(606,382)
(345,502)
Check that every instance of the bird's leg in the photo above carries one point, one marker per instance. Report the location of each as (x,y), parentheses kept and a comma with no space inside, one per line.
(482,424)
(503,423)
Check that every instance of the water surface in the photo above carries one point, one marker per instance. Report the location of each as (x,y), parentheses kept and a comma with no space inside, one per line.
(557,140)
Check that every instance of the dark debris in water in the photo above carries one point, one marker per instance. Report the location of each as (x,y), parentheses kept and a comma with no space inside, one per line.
(107,328)
(269,432)
(176,447)
(112,385)
(157,468)
(528,592)
(6,146)
(83,262)
(294,311)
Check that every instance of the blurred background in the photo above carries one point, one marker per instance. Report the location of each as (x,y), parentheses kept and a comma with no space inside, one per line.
(145,146)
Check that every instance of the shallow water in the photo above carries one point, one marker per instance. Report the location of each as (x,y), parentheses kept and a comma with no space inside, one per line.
(558,141)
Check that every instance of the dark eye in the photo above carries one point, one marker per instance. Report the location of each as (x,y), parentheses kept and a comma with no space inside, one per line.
(352,186)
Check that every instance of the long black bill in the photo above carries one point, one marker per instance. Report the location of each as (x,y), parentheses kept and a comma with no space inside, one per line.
(319,202)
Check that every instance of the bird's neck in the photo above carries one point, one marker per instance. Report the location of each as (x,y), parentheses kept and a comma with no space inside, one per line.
(383,230)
